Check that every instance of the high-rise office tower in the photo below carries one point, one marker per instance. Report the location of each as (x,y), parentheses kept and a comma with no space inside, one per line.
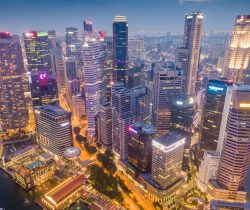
(235,155)
(52,39)
(136,50)
(53,129)
(60,71)
(182,112)
(189,54)
(105,125)
(122,119)
(73,45)
(167,84)
(213,108)
(167,159)
(43,87)
(208,168)
(238,56)
(87,26)
(37,50)
(93,59)
(13,108)
(42,80)
(120,48)
(140,146)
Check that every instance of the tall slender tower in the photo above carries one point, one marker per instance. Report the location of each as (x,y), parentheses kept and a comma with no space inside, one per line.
(120,48)
(238,55)
(189,55)
(121,119)
(14,113)
(93,59)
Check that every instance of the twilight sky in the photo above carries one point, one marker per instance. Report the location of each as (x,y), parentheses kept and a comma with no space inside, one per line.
(147,16)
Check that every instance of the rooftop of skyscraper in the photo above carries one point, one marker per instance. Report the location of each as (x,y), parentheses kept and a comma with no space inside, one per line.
(54,110)
(170,139)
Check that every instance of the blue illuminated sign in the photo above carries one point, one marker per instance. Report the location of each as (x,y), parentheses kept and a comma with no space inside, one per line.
(214,88)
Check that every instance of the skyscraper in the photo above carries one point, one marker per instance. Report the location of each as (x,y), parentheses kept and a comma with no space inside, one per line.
(121,119)
(189,54)
(216,91)
(13,108)
(235,155)
(53,129)
(87,26)
(37,50)
(73,44)
(93,59)
(105,125)
(167,159)
(72,79)
(238,56)
(140,146)
(120,48)
(168,82)
(43,87)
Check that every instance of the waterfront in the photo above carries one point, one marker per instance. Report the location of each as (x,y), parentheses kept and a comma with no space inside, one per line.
(13,197)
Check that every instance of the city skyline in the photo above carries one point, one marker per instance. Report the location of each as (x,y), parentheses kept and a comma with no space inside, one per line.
(45,15)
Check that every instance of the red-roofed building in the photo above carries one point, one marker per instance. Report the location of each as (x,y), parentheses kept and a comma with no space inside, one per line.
(64,194)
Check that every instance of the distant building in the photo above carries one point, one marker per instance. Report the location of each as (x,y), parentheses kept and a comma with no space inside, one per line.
(140,146)
(208,169)
(136,50)
(168,82)
(53,129)
(105,125)
(73,45)
(14,112)
(120,48)
(87,26)
(238,56)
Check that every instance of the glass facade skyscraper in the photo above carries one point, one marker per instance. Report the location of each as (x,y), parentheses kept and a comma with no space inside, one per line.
(120,48)
(212,113)
(140,146)
(13,108)
(37,50)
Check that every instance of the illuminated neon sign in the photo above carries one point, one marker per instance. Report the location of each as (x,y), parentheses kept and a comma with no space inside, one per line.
(132,130)
(243,105)
(64,124)
(214,88)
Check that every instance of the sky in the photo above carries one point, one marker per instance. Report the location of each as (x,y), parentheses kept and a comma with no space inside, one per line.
(144,16)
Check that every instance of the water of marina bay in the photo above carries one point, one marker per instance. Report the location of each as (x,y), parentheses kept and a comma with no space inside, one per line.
(13,197)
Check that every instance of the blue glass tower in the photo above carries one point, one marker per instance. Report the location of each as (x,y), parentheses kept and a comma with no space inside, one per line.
(120,48)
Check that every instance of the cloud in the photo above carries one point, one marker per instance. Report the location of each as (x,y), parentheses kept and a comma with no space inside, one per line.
(183,2)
